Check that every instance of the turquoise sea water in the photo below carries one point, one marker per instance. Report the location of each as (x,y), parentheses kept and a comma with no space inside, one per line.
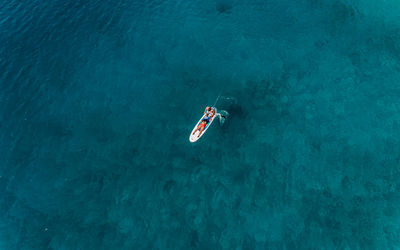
(98,98)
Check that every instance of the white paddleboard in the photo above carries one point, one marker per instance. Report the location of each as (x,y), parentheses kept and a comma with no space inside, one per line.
(194,137)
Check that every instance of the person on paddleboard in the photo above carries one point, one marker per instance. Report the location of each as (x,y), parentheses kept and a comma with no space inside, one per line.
(208,114)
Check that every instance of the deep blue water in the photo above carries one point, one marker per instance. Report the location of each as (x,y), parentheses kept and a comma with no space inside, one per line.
(98,98)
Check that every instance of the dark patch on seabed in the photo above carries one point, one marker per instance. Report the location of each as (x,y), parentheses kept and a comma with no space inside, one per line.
(98,99)
(224,7)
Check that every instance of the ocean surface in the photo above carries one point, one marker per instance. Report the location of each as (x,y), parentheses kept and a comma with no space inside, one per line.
(98,98)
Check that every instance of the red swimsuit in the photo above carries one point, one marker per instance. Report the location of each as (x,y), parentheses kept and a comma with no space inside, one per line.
(202,125)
